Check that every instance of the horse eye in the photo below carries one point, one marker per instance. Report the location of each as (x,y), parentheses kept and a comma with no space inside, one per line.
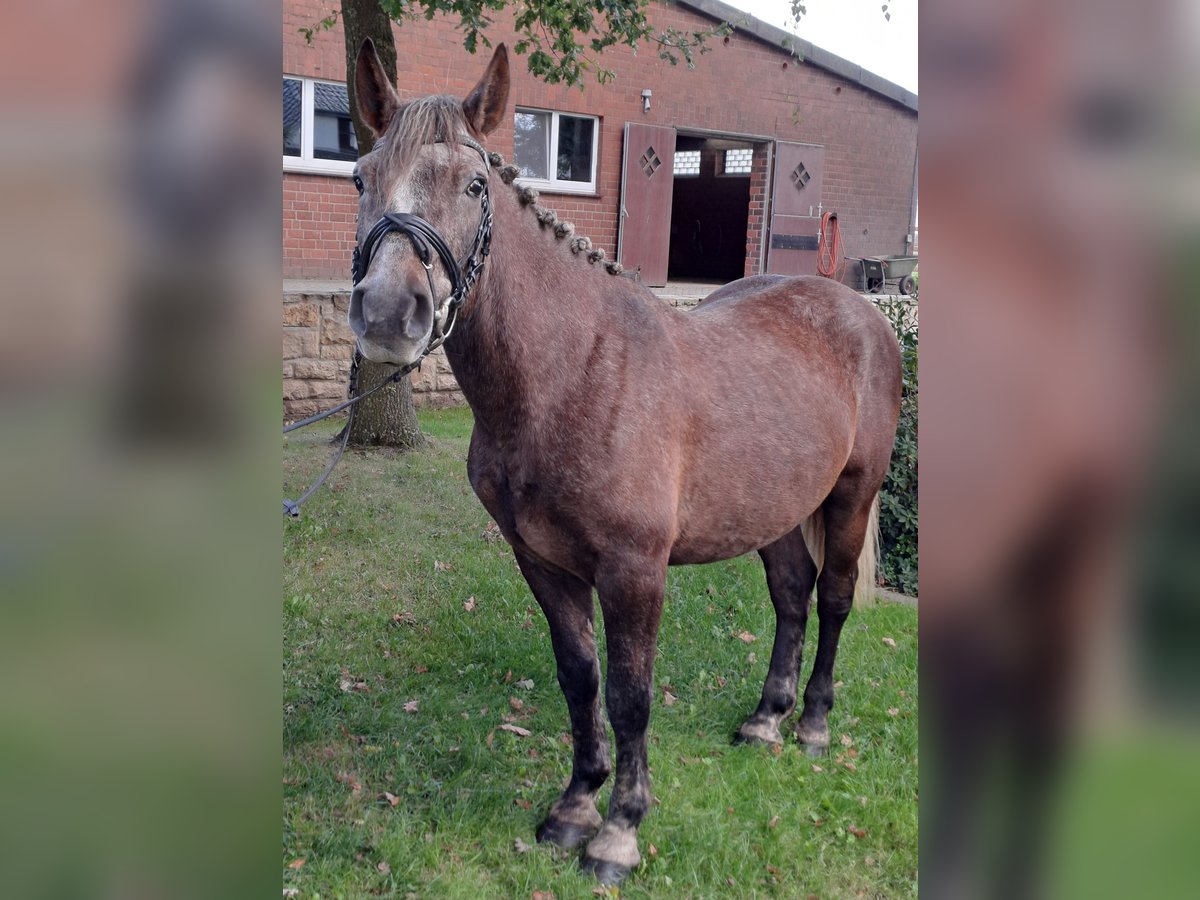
(358,183)
(475,189)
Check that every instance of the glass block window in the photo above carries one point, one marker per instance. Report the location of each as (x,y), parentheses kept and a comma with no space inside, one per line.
(738,162)
(556,151)
(687,162)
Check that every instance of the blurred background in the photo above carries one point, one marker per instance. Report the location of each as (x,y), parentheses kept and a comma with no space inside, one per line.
(1059,472)
(139,548)
(139,542)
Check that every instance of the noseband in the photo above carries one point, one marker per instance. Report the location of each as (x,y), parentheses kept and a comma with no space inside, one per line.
(426,241)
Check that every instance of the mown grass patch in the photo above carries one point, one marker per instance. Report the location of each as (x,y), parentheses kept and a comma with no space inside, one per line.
(393,687)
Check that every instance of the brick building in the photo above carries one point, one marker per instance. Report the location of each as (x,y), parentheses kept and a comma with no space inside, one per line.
(751,137)
(689,175)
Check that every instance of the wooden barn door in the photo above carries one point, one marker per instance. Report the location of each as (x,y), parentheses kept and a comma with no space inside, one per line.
(795,208)
(647,176)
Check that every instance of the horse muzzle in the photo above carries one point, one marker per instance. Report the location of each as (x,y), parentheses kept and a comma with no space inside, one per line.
(393,324)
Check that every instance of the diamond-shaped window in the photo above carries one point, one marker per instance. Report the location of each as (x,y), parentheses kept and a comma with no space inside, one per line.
(650,162)
(800,177)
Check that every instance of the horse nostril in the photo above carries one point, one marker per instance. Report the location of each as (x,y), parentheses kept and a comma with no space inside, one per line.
(357,323)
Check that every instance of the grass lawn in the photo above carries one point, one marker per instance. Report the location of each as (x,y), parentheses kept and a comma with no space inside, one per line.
(410,639)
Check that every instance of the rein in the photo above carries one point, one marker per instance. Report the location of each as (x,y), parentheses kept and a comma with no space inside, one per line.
(426,241)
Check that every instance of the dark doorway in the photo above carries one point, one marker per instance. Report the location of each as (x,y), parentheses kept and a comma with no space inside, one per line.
(710,208)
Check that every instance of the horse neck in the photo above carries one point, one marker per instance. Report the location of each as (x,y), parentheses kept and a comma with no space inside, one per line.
(525,334)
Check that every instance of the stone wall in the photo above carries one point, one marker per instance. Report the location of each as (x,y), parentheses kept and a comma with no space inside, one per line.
(317,347)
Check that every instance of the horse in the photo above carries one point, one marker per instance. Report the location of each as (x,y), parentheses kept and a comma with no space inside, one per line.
(615,436)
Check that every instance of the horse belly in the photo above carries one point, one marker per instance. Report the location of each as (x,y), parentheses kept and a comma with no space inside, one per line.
(749,496)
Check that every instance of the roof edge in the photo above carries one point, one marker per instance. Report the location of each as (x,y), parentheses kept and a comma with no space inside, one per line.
(810,53)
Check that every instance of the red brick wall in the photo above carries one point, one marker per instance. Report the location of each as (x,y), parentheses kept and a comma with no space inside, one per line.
(743,86)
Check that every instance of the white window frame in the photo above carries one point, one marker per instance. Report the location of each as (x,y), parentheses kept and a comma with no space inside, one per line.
(554,185)
(305,163)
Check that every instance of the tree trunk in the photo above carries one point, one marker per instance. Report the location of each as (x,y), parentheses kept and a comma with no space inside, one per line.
(387,418)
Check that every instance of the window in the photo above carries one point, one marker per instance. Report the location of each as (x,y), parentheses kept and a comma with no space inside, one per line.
(687,162)
(738,162)
(318,134)
(556,151)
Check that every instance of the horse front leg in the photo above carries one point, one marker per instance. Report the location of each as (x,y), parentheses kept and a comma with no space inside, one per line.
(631,600)
(566,602)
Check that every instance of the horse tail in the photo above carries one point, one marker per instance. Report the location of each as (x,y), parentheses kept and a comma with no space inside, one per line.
(813,531)
(868,560)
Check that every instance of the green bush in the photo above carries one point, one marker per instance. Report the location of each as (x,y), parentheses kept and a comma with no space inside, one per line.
(898,499)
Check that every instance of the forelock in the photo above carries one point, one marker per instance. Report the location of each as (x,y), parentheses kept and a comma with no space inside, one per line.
(424,121)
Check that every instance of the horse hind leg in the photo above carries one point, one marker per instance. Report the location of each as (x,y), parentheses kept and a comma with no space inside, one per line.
(850,514)
(567,604)
(791,574)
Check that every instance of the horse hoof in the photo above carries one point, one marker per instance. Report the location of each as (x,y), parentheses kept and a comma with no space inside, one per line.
(815,750)
(605,872)
(757,740)
(564,834)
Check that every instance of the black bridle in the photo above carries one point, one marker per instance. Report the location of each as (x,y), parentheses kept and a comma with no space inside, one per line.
(426,241)
(425,238)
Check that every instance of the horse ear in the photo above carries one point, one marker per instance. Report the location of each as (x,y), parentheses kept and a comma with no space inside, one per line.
(485,105)
(373,93)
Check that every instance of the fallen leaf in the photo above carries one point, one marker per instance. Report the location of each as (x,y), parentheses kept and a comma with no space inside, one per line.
(384,867)
(893,711)
(516,729)
(774,870)
(857,832)
(720,681)
(817,768)
(421,669)
(291,781)
(565,740)
(847,741)
(291,892)
(469,606)
(729,809)
(508,677)
(523,803)
(774,821)
(391,798)
(669,698)
(862,801)
(652,850)
(352,738)
(776,749)
(516,702)
(889,641)
(404,618)
(525,684)
(491,738)
(411,706)
(752,658)
(521,847)
(542,895)
(839,684)
(351,781)
(746,636)
(852,753)
(295,863)
(439,566)
(850,766)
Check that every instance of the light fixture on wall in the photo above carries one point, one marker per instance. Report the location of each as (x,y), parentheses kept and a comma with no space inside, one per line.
(646,100)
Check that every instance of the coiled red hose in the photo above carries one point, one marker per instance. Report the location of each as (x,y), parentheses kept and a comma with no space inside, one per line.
(831,262)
